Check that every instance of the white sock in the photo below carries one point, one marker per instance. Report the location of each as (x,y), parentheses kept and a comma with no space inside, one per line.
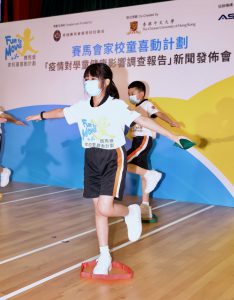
(104,250)
(128,212)
(145,203)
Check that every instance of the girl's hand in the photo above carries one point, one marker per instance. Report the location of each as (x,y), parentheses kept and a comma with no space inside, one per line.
(34,118)
(20,123)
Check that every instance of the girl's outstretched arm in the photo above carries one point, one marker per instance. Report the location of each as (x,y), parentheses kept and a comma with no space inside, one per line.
(165,118)
(150,124)
(11,119)
(51,114)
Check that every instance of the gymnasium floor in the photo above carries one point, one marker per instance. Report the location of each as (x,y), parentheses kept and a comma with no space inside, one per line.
(46,232)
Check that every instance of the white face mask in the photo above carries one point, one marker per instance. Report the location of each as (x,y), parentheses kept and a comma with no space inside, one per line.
(91,88)
(133,99)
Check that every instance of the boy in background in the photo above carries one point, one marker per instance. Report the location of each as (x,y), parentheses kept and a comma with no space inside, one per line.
(138,154)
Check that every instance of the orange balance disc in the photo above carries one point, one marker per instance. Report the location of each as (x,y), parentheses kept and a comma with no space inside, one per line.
(126,272)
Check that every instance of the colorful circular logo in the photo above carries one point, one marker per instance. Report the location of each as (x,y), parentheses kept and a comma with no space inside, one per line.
(57,35)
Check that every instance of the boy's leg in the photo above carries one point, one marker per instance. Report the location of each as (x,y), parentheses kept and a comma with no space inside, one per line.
(136,169)
(149,180)
(137,158)
(146,210)
(145,196)
(150,177)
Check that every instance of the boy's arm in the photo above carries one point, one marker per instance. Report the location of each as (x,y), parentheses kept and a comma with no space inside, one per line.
(165,118)
(11,119)
(51,114)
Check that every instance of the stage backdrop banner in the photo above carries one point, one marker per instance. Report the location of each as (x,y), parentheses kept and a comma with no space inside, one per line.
(181,50)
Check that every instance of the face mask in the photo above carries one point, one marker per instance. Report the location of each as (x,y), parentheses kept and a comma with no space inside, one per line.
(133,99)
(91,88)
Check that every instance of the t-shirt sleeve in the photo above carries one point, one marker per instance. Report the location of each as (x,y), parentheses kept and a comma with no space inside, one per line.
(72,113)
(151,109)
(126,113)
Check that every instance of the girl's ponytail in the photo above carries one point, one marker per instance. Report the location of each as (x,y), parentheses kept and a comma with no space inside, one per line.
(112,90)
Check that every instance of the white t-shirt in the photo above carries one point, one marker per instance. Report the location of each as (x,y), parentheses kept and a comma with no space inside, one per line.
(146,109)
(102,126)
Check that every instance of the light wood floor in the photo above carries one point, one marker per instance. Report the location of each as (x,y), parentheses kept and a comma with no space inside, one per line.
(188,254)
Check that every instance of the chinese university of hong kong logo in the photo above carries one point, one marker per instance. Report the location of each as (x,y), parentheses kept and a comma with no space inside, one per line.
(19,46)
(133,27)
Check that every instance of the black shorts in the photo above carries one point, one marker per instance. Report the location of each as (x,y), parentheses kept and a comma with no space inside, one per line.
(138,153)
(104,172)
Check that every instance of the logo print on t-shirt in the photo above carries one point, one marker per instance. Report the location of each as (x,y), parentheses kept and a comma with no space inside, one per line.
(88,129)
(102,125)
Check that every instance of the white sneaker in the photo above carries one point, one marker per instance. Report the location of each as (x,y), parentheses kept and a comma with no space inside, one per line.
(152,178)
(133,221)
(103,265)
(5,177)
(146,211)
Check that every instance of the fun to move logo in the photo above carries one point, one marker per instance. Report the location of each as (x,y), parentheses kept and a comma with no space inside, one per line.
(19,46)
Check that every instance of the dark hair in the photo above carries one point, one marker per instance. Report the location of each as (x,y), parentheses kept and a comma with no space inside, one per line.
(139,85)
(103,71)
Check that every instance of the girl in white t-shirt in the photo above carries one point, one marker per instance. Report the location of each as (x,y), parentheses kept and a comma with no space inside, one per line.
(5,172)
(101,121)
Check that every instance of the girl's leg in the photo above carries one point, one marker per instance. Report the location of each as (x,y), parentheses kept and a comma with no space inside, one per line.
(104,261)
(101,225)
(108,208)
(131,214)
(104,208)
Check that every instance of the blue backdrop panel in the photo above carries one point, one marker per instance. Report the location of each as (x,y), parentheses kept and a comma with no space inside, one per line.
(49,152)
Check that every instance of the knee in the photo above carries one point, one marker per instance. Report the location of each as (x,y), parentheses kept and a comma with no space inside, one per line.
(104,210)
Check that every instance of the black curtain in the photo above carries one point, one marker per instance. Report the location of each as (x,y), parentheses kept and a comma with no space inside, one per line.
(14,10)
(60,7)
